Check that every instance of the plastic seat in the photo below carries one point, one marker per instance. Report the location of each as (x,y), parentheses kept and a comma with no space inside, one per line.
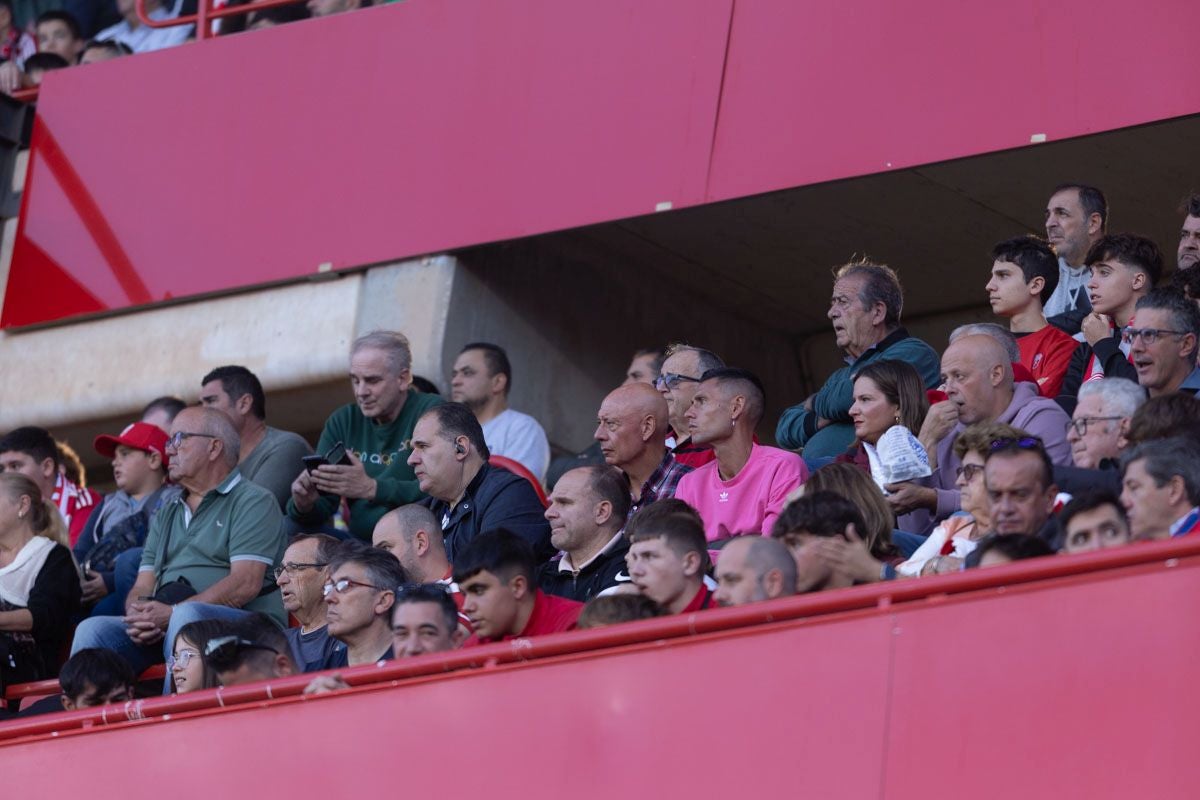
(519,469)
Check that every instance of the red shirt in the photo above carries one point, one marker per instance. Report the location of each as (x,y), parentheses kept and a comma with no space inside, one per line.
(75,505)
(1046,354)
(693,455)
(551,614)
(705,598)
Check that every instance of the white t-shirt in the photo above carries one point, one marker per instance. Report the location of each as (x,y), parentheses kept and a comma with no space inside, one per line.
(518,436)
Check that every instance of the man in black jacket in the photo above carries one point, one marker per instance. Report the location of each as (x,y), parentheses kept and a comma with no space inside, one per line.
(449,458)
(587,513)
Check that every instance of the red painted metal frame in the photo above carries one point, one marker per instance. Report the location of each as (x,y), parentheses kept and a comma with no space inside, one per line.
(808,608)
(205,14)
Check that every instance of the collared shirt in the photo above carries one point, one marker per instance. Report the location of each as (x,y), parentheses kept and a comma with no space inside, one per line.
(661,483)
(235,521)
(1188,523)
(705,598)
(1191,384)
(565,565)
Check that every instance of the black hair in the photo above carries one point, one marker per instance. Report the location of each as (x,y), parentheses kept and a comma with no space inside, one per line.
(103,669)
(500,552)
(1132,250)
(111,45)
(1091,198)
(748,383)
(257,629)
(37,443)
(1035,258)
(1016,546)
(65,17)
(456,420)
(45,62)
(657,354)
(674,521)
(419,382)
(609,483)
(820,513)
(237,381)
(429,593)
(1087,500)
(168,404)
(383,570)
(496,360)
(1191,206)
(611,609)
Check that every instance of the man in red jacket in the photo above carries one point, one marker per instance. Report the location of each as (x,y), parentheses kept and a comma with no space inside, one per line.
(495,573)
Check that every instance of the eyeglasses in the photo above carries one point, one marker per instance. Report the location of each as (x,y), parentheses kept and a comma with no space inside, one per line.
(183,659)
(177,439)
(1024,443)
(1149,335)
(669,380)
(1080,425)
(291,568)
(968,471)
(221,653)
(342,586)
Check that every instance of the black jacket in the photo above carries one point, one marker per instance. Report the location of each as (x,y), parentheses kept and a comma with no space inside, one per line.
(495,498)
(600,574)
(1114,363)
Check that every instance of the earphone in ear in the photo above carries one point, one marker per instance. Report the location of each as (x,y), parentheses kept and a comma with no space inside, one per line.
(458,448)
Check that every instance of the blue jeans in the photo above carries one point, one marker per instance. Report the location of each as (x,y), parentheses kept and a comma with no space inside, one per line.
(109,633)
(125,570)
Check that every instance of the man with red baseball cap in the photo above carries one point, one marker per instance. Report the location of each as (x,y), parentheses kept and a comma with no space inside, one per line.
(109,549)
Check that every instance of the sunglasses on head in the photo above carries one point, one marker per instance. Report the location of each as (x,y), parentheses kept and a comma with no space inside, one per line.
(224,653)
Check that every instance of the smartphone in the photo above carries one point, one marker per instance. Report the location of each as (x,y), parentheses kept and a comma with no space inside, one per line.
(336,455)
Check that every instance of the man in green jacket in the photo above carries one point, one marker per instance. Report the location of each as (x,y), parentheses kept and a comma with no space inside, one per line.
(376,430)
(865,311)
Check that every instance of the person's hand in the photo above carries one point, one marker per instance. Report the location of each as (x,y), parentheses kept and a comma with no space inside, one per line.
(351,482)
(850,556)
(326,683)
(11,78)
(941,565)
(93,587)
(908,496)
(940,420)
(1095,327)
(147,621)
(304,494)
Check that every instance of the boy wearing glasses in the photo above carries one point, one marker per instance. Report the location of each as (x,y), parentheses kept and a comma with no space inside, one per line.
(1124,268)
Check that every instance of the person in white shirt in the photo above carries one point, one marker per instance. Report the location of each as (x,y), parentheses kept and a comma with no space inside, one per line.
(142,38)
(481,381)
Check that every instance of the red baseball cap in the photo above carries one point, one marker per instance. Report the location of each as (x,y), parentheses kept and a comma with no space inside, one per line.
(139,436)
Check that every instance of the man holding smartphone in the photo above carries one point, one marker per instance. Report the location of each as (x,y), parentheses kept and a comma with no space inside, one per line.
(376,431)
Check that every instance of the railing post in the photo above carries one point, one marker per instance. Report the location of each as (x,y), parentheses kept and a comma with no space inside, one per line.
(202,21)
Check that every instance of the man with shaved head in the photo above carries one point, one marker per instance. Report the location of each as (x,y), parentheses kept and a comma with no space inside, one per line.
(743,489)
(754,568)
(587,513)
(978,379)
(632,427)
(412,534)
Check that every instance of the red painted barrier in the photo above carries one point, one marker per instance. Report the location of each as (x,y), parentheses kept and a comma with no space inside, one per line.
(425,126)
(1027,680)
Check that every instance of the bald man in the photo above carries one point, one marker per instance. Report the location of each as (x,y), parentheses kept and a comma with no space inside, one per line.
(754,568)
(978,379)
(412,534)
(632,427)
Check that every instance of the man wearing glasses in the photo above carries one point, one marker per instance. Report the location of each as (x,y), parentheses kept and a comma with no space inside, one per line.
(1097,434)
(209,553)
(301,578)
(865,312)
(359,594)
(678,382)
(1162,345)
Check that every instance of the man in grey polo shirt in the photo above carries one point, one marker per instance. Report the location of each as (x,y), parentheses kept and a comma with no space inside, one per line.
(209,554)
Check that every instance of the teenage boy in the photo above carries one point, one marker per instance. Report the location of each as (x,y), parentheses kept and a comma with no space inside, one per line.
(121,521)
(1124,268)
(1024,275)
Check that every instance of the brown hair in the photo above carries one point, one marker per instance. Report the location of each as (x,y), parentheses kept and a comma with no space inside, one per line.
(902,386)
(855,485)
(978,438)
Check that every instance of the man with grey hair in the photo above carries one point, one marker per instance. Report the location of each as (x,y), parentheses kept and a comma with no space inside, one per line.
(1097,434)
(209,553)
(677,382)
(1163,343)
(1161,491)
(375,431)
(865,312)
(754,568)
(412,534)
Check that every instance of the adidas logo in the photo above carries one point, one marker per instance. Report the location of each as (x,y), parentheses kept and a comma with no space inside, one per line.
(723,497)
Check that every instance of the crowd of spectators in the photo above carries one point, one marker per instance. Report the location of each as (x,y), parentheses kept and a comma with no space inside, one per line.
(232,551)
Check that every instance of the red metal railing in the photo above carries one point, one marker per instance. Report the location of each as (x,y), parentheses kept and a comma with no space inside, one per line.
(1091,566)
(205,14)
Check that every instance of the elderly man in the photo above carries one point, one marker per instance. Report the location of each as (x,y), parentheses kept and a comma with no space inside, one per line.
(269,456)
(1163,343)
(865,312)
(632,427)
(678,381)
(1162,488)
(376,430)
(301,578)
(754,568)
(1097,434)
(449,458)
(209,552)
(979,383)
(743,489)
(587,513)
(481,380)
(1076,218)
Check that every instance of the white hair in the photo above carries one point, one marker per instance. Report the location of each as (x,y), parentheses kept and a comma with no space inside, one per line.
(1121,396)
